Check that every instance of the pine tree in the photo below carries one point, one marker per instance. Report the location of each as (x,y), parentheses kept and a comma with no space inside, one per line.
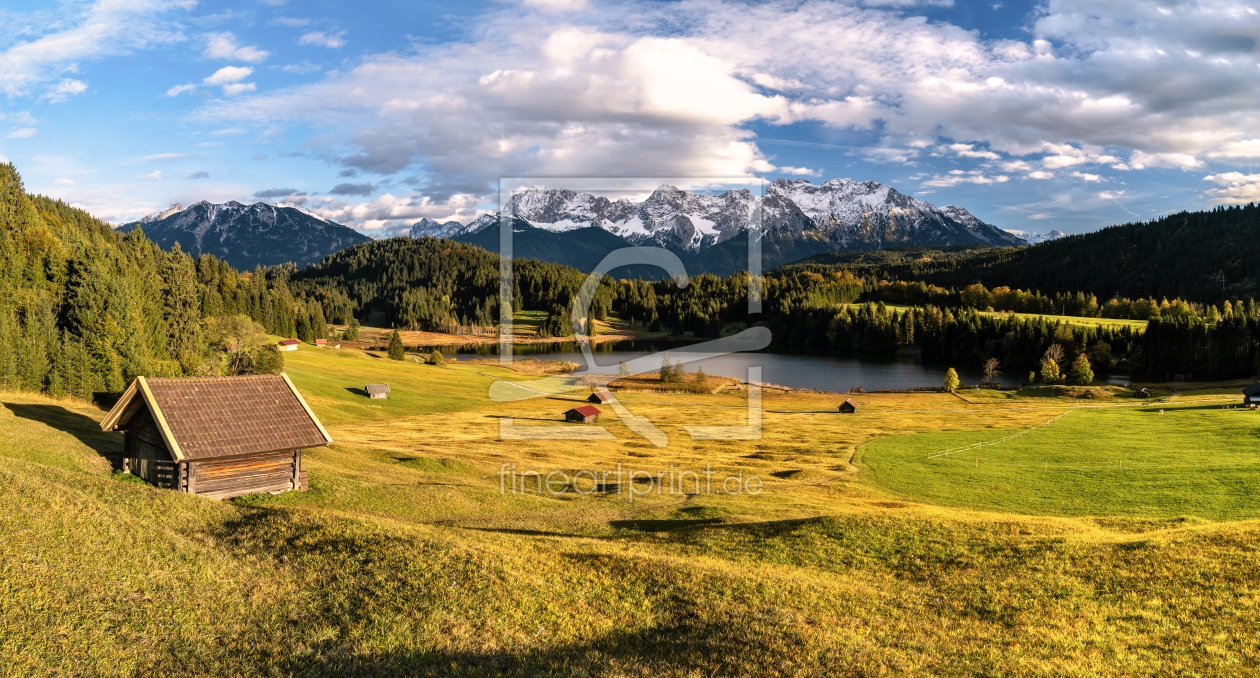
(396,351)
(667,370)
(435,358)
(623,370)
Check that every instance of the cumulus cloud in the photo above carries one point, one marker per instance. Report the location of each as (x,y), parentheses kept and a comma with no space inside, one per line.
(22,133)
(225,46)
(956,177)
(366,188)
(641,91)
(228,74)
(180,89)
(1236,188)
(389,214)
(1085,176)
(322,39)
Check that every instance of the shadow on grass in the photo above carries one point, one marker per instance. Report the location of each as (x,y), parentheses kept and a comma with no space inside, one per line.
(84,428)
(663,525)
(352,579)
(357,391)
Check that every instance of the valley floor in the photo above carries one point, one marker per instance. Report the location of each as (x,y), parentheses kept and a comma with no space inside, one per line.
(924,534)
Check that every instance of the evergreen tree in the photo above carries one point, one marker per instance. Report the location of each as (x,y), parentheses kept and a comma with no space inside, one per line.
(667,370)
(396,351)
(951,380)
(623,370)
(435,358)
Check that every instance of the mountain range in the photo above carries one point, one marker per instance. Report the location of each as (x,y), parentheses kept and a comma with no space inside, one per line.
(709,232)
(248,235)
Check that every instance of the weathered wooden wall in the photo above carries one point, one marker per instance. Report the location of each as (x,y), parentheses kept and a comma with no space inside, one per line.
(268,472)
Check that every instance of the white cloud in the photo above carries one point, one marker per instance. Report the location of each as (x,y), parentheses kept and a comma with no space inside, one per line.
(1083,176)
(556,5)
(224,46)
(802,171)
(237,88)
(956,177)
(180,89)
(644,91)
(103,28)
(1236,188)
(153,176)
(390,214)
(322,39)
(22,133)
(288,21)
(229,77)
(301,69)
(65,89)
(163,156)
(63,181)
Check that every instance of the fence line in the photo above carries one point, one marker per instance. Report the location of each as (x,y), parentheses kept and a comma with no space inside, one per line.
(975,446)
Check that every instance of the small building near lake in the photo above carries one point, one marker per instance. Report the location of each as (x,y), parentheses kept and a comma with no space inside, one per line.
(601,397)
(377,391)
(288,344)
(583,414)
(1251,395)
(1142,393)
(848,407)
(216,437)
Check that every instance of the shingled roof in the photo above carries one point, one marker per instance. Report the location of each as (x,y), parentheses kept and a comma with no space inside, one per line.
(374,389)
(209,417)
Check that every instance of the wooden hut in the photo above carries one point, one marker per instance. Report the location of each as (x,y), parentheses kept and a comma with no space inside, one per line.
(377,391)
(848,407)
(1251,395)
(288,344)
(1142,393)
(601,397)
(584,414)
(322,343)
(217,437)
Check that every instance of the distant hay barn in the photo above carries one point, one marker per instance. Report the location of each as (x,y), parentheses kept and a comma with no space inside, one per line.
(848,407)
(1251,395)
(217,437)
(288,344)
(583,414)
(601,397)
(377,391)
(322,343)
(1142,393)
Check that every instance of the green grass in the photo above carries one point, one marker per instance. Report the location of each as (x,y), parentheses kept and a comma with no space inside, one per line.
(860,557)
(1124,461)
(1068,319)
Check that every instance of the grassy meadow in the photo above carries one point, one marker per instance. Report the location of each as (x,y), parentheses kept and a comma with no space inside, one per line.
(865,552)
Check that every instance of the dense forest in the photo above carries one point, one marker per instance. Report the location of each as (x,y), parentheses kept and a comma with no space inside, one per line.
(1181,255)
(84,309)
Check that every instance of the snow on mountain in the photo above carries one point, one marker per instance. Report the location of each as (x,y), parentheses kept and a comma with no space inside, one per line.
(1037,238)
(303,210)
(432,228)
(841,214)
(248,235)
(173,209)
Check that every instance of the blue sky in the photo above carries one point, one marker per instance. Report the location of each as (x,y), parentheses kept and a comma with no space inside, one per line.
(1068,114)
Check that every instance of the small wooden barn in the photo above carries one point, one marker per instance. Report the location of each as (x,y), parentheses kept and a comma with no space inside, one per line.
(377,391)
(217,437)
(601,397)
(584,414)
(322,343)
(1142,393)
(848,406)
(1251,395)
(288,344)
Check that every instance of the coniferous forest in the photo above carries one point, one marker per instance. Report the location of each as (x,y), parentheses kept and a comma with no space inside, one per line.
(84,309)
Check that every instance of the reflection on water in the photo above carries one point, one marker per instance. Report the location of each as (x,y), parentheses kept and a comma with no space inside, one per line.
(825,373)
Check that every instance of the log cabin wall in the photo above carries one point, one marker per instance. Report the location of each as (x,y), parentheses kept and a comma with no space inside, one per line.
(255,474)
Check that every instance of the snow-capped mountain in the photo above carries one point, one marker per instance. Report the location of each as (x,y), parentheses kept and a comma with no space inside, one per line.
(1037,238)
(434,229)
(248,235)
(840,214)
